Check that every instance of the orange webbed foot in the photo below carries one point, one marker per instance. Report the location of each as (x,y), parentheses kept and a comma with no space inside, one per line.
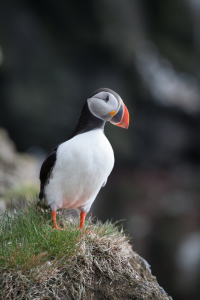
(90,232)
(55,226)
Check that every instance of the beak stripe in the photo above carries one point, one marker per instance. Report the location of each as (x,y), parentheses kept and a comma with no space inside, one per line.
(121,118)
(125,120)
(118,117)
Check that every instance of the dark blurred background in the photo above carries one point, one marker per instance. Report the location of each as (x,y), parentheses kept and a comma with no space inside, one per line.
(54,54)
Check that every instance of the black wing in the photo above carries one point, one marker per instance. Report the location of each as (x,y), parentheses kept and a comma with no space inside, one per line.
(87,122)
(46,169)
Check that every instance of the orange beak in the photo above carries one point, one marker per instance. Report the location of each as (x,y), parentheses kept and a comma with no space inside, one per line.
(121,118)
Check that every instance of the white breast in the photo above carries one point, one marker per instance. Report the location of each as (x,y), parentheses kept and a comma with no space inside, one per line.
(83,164)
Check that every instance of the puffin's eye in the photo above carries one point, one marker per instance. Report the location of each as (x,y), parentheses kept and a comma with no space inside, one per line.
(107,98)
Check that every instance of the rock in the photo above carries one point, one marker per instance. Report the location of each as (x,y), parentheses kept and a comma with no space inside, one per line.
(104,266)
(18,172)
(2,206)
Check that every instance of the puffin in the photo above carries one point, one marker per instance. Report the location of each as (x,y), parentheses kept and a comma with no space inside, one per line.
(73,173)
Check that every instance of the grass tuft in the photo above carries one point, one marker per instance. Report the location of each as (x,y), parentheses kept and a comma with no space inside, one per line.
(27,239)
(38,262)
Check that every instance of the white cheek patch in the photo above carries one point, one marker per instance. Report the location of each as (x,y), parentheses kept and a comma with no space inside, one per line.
(102,109)
(96,106)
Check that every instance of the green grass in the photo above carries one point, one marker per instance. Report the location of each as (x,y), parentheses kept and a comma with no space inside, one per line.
(27,237)
(38,262)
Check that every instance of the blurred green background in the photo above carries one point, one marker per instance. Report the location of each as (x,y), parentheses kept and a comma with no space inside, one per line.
(53,55)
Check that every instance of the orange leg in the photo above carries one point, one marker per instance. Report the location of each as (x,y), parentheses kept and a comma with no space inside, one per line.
(53,215)
(82,219)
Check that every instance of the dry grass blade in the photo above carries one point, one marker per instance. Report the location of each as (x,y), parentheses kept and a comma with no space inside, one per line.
(37,262)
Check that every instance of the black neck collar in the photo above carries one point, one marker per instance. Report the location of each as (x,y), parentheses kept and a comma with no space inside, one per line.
(87,122)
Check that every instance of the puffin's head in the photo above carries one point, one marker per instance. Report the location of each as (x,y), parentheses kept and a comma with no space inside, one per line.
(108,106)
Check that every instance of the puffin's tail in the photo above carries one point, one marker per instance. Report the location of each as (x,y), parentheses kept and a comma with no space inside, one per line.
(41,204)
(41,194)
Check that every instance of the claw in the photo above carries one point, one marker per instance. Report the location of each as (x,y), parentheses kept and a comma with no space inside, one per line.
(88,232)
(57,227)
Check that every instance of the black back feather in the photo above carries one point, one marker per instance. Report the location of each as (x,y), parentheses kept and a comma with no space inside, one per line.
(87,122)
(105,90)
